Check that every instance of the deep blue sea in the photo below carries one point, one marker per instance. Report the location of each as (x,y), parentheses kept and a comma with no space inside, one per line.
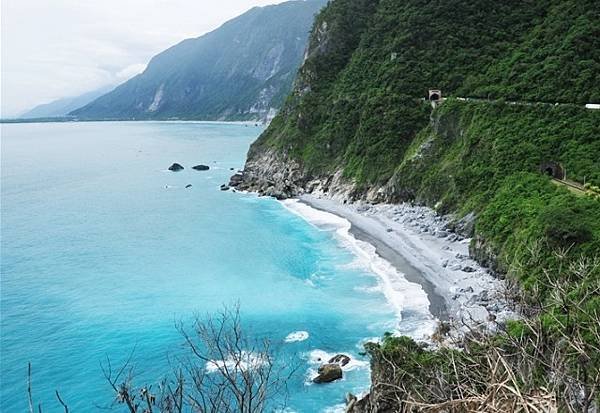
(104,251)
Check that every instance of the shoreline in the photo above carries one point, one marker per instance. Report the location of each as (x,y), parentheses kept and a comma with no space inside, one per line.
(416,242)
(437,305)
(405,297)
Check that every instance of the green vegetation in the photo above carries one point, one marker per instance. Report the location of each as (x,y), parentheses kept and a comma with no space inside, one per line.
(357,100)
(557,61)
(358,107)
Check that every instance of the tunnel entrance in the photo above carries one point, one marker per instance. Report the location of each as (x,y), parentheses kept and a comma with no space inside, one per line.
(435,95)
(553,169)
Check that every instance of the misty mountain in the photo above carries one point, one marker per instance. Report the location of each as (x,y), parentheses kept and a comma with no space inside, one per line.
(242,70)
(62,107)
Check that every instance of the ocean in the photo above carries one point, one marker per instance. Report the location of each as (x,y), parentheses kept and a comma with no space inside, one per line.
(104,252)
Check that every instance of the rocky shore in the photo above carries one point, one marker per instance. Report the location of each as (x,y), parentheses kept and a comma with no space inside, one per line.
(432,250)
(426,248)
(435,251)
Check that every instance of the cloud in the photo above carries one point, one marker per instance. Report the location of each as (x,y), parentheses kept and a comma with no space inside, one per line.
(130,71)
(53,49)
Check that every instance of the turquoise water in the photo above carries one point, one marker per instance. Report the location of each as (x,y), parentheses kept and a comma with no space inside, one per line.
(103,251)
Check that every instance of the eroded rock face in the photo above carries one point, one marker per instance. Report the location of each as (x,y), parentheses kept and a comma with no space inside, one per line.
(176,167)
(328,373)
(273,173)
(269,173)
(484,254)
(236,180)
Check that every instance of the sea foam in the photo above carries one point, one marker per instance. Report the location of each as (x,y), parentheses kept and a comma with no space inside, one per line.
(296,336)
(398,291)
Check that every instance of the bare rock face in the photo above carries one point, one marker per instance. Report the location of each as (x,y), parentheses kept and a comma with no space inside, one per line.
(236,180)
(328,373)
(272,174)
(484,254)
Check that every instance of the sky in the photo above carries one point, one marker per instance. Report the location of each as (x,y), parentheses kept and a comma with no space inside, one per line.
(58,48)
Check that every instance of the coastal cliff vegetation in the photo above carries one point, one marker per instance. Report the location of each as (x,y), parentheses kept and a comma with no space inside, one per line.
(516,76)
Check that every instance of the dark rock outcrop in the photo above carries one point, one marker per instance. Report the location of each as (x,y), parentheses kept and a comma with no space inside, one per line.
(236,180)
(201,167)
(340,359)
(176,167)
(188,186)
(224,187)
(482,252)
(328,373)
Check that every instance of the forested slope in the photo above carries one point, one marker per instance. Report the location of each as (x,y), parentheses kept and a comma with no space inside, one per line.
(357,126)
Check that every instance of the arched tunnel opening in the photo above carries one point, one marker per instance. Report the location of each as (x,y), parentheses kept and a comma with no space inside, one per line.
(550,171)
(434,97)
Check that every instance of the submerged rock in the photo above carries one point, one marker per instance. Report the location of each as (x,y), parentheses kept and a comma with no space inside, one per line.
(201,167)
(328,373)
(176,167)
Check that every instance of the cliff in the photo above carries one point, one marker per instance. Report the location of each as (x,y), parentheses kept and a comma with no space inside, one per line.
(517,75)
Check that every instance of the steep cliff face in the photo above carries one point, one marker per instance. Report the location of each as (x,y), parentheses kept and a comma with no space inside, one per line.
(356,105)
(242,70)
(357,126)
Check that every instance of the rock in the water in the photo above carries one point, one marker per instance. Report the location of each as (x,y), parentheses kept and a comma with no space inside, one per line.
(466,268)
(224,187)
(340,359)
(175,167)
(201,167)
(328,373)
(188,186)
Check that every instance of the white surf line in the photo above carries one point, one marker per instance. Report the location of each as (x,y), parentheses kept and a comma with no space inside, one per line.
(397,290)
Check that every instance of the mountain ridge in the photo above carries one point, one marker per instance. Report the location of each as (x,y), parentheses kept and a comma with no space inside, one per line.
(63,106)
(241,71)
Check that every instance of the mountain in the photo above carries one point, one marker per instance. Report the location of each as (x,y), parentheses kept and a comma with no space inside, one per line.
(516,75)
(62,107)
(242,70)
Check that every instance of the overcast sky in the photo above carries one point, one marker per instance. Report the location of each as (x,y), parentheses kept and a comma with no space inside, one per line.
(58,48)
